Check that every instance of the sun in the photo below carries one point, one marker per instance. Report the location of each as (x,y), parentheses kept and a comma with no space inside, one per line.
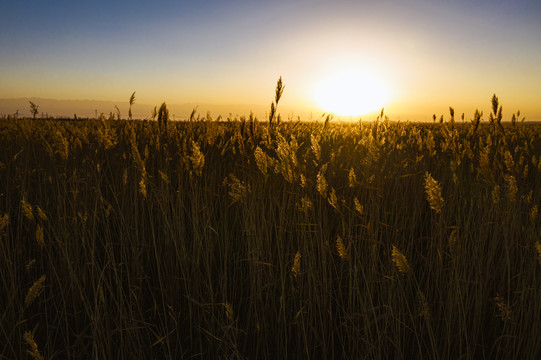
(351,91)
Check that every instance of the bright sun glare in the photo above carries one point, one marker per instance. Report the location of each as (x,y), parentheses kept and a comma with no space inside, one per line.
(351,91)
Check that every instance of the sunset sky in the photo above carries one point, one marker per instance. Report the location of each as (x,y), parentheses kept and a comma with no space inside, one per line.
(415,57)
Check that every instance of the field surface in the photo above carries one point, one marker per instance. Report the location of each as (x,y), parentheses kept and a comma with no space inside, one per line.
(243,239)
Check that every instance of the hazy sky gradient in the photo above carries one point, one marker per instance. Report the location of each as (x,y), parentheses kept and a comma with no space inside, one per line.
(432,54)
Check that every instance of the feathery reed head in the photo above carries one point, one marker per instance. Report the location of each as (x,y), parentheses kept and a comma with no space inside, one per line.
(33,351)
(322,184)
(27,209)
(358,207)
(229,314)
(237,190)
(424,307)
(504,310)
(341,248)
(433,192)
(41,213)
(197,159)
(34,291)
(4,222)
(39,236)
(400,261)
(296,265)
(333,199)
(352,179)
(261,160)
(538,248)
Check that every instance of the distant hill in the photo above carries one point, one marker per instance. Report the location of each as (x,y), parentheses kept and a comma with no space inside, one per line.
(93,108)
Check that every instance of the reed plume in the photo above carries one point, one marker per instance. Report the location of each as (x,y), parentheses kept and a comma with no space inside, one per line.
(132,101)
(27,210)
(34,291)
(197,159)
(261,160)
(358,207)
(34,351)
(534,212)
(496,194)
(316,148)
(512,188)
(4,222)
(237,190)
(504,310)
(433,192)
(453,240)
(163,116)
(29,265)
(295,269)
(424,307)
(41,213)
(400,261)
(305,205)
(352,179)
(333,199)
(341,248)
(229,314)
(39,236)
(321,184)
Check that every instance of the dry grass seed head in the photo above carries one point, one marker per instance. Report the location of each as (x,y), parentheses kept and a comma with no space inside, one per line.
(352,179)
(41,213)
(4,222)
(125,177)
(504,310)
(358,207)
(29,265)
(322,184)
(496,194)
(39,237)
(534,212)
(197,159)
(229,314)
(34,291)
(424,308)
(164,177)
(341,248)
(305,205)
(27,209)
(304,182)
(295,269)
(512,188)
(143,187)
(237,189)
(261,160)
(433,192)
(400,261)
(538,248)
(316,149)
(453,240)
(333,199)
(34,351)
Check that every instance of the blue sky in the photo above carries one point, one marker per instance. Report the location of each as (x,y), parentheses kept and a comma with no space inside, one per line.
(428,54)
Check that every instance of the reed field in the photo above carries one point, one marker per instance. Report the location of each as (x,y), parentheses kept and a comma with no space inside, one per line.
(251,239)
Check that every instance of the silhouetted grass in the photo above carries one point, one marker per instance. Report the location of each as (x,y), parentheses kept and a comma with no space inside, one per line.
(233,239)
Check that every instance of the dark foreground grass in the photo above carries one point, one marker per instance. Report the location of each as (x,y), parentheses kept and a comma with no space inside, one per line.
(236,240)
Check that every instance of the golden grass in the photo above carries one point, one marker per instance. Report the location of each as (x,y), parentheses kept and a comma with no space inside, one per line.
(417,240)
